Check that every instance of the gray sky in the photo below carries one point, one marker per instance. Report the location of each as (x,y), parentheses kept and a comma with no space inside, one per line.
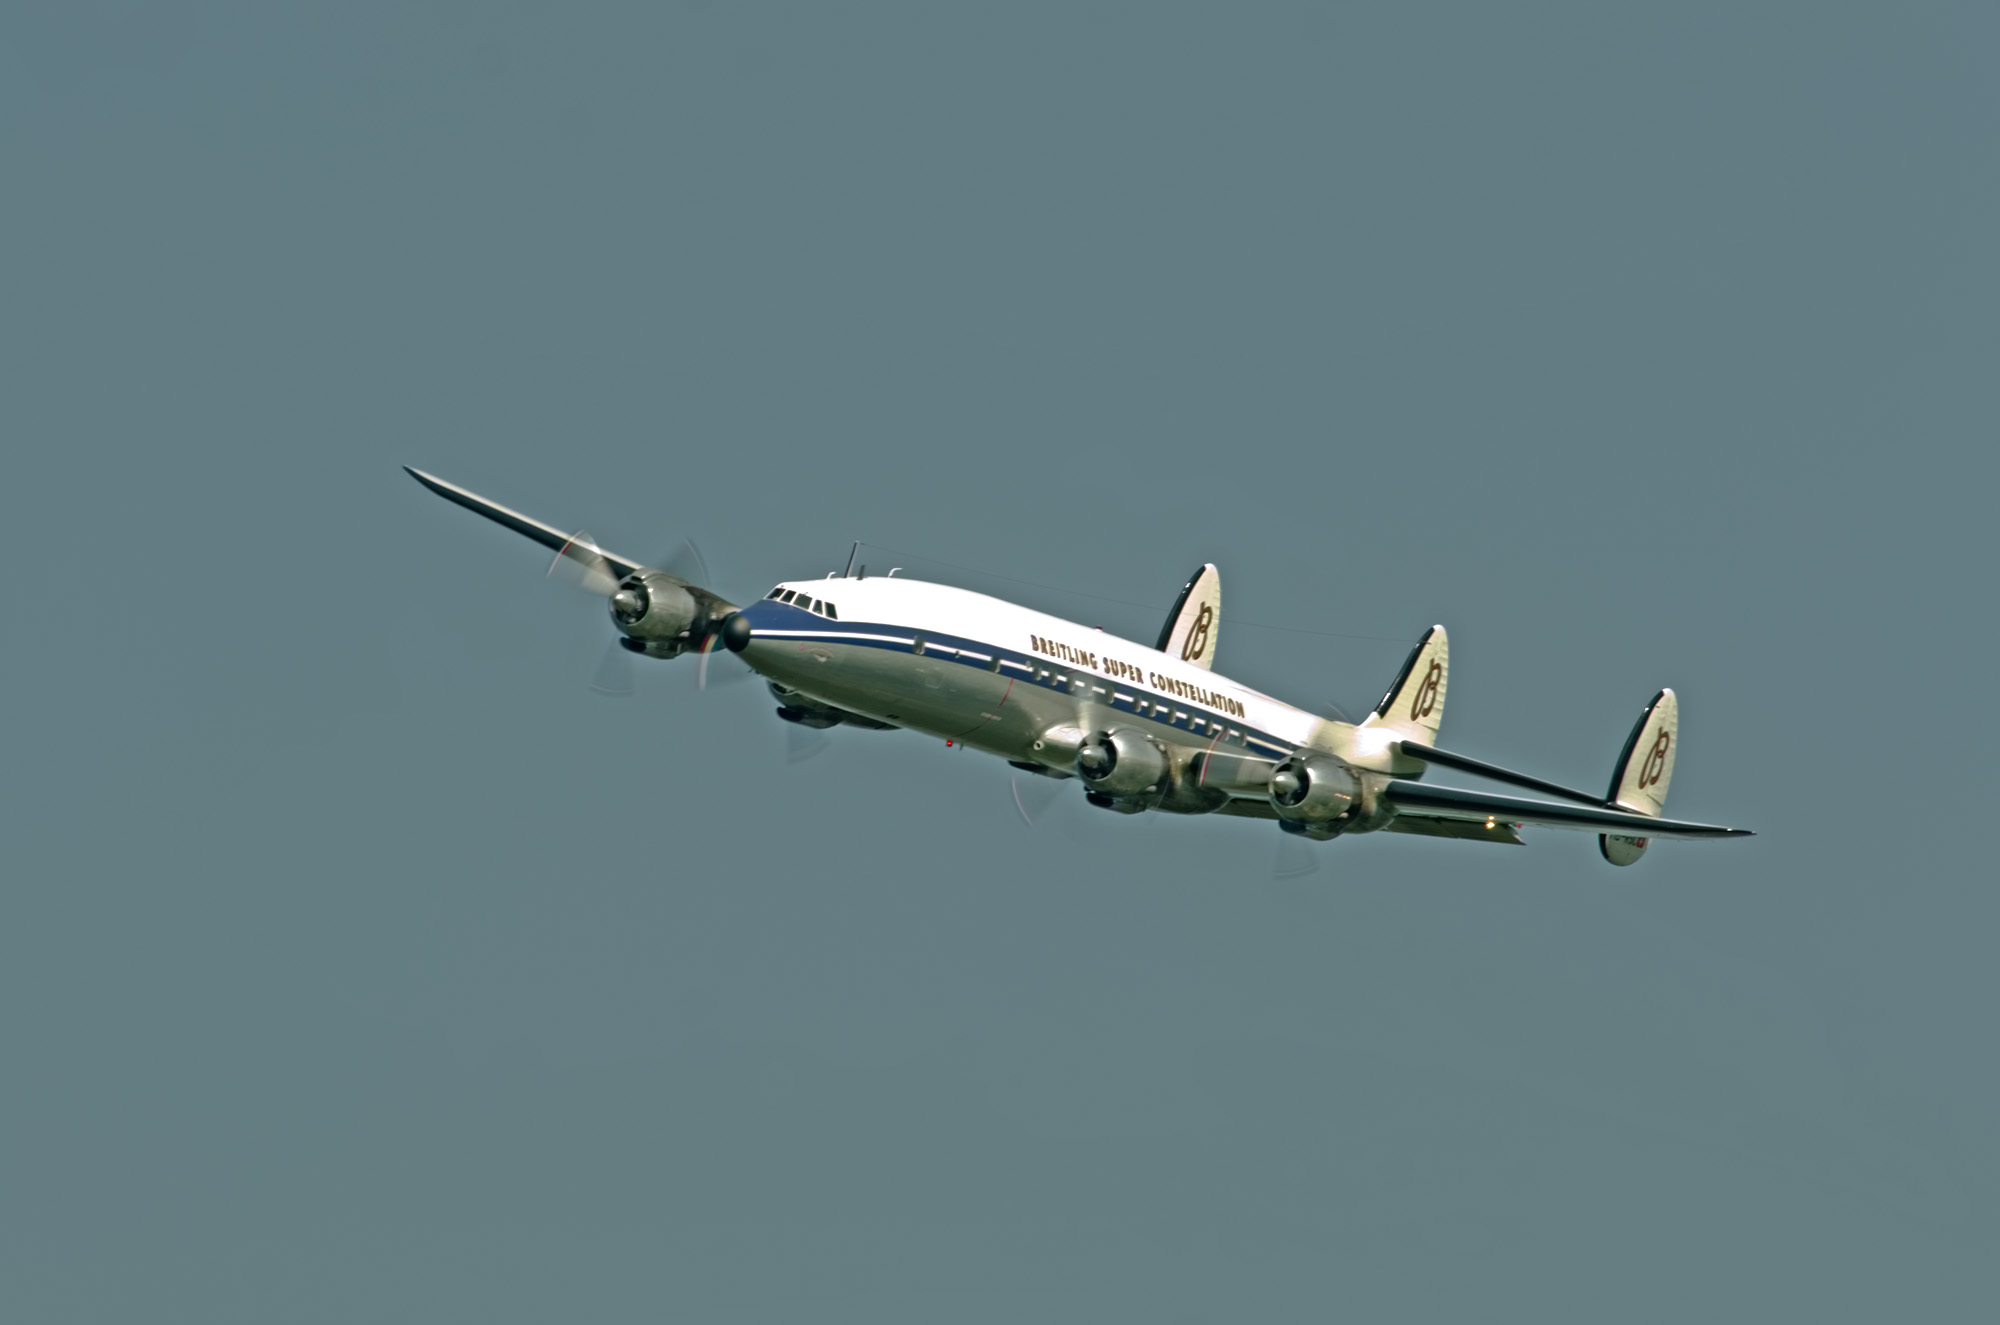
(357,964)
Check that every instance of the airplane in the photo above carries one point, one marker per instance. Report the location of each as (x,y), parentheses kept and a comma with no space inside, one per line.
(1137,727)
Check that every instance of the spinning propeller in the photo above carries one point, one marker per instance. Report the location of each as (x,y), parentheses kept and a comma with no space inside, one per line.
(583,563)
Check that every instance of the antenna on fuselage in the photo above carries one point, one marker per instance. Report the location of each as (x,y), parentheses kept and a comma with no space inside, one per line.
(850,560)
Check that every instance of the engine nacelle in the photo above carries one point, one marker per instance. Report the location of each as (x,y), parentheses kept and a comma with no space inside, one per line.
(1319,793)
(653,606)
(1120,763)
(1057,747)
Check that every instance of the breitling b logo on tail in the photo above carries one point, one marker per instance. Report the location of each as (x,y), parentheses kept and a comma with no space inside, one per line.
(1197,640)
(1655,766)
(1425,701)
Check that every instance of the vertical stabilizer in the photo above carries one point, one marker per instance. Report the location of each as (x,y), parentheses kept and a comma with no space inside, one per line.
(1414,706)
(1639,779)
(1191,627)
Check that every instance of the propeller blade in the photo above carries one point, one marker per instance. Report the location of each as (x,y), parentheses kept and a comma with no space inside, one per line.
(1034,797)
(687,562)
(614,678)
(583,563)
(802,743)
(731,670)
(1295,858)
(701,664)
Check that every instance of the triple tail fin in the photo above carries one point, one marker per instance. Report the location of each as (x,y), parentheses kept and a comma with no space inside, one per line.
(1414,706)
(1191,627)
(1639,779)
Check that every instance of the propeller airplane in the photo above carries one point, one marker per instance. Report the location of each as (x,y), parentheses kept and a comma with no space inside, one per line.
(1137,727)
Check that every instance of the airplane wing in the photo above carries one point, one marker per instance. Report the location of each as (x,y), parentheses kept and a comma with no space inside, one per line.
(1416,800)
(547,535)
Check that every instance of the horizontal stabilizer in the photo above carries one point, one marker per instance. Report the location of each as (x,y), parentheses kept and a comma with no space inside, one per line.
(1464,764)
(1426,802)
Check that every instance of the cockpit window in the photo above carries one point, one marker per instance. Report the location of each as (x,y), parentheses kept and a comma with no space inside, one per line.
(787,596)
(776,593)
(831,613)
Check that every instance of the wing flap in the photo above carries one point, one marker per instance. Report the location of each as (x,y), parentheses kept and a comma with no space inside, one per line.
(1427,802)
(1466,830)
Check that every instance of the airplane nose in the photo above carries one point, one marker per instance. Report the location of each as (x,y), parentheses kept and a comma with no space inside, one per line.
(736,632)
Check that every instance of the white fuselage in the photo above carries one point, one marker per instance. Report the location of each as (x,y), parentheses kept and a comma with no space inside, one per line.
(1014,682)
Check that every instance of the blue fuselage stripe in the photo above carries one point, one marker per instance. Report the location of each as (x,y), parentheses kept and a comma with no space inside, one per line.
(792,623)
